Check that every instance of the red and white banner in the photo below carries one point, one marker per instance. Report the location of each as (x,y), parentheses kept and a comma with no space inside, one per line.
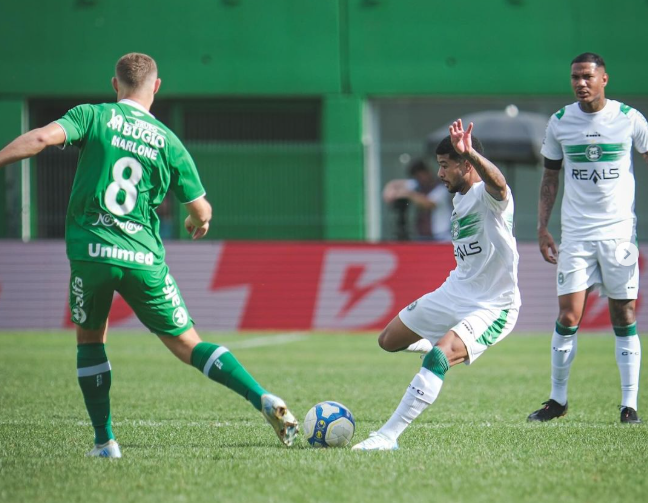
(281,285)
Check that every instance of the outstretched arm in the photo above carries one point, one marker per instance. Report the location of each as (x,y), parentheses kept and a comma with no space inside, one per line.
(489,173)
(32,143)
(399,189)
(548,193)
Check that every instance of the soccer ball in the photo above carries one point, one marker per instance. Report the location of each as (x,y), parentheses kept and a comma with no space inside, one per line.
(329,424)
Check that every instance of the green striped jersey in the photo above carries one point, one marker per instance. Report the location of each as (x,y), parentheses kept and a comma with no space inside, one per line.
(599,176)
(485,250)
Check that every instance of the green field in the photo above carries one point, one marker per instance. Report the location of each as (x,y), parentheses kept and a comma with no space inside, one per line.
(187,439)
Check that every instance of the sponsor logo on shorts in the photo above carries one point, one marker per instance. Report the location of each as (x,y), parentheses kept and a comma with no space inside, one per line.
(108,220)
(412,305)
(468,327)
(78,314)
(180,316)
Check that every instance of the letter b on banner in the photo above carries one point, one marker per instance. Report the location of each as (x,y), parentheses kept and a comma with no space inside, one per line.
(352,291)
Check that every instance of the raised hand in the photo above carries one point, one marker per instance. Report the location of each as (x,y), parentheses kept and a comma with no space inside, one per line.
(461,140)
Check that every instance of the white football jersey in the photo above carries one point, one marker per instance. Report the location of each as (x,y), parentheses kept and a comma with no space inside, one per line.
(598,202)
(485,250)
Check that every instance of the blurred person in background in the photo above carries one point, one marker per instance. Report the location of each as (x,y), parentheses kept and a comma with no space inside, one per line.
(433,202)
(593,139)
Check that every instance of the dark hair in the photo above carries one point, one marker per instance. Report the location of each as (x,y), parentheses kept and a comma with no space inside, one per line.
(445,147)
(416,166)
(589,57)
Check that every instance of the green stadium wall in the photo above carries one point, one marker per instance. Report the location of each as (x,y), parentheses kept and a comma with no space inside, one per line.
(340,52)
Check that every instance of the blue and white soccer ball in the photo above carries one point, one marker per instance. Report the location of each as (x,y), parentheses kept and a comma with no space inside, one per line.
(329,424)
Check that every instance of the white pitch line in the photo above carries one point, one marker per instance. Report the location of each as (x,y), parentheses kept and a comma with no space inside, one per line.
(267,340)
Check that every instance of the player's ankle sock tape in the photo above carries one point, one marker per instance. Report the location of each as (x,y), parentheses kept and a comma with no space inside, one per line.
(563,330)
(217,363)
(628,331)
(94,376)
(436,362)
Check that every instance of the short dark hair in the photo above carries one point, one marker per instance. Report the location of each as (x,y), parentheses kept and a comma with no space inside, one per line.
(445,147)
(416,166)
(589,57)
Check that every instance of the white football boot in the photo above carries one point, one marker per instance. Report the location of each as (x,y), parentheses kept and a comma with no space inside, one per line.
(108,450)
(376,442)
(280,418)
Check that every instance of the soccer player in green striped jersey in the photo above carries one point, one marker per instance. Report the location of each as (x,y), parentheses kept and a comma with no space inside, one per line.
(593,138)
(128,162)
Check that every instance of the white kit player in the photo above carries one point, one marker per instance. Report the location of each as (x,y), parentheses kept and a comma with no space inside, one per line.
(477,306)
(593,138)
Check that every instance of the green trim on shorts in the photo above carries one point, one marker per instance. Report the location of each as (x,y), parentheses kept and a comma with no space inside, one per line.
(492,333)
(628,331)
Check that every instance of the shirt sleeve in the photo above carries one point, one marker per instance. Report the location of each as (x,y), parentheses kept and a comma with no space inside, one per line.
(185,180)
(76,124)
(490,202)
(640,132)
(551,148)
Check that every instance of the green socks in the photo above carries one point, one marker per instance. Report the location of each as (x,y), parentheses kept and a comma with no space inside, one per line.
(217,363)
(436,362)
(93,372)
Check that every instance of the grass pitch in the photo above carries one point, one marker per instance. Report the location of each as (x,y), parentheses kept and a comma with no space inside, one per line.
(187,439)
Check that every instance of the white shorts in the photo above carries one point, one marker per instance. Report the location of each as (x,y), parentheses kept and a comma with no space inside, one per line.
(434,314)
(583,264)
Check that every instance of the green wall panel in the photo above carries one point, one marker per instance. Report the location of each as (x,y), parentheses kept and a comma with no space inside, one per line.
(203,47)
(11,111)
(489,47)
(314,47)
(343,168)
(262,191)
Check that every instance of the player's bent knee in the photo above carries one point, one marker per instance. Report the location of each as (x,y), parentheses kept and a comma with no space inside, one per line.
(569,318)
(453,348)
(386,342)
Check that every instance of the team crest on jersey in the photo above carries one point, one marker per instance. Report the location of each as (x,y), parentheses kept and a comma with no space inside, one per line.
(593,153)
(454,229)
